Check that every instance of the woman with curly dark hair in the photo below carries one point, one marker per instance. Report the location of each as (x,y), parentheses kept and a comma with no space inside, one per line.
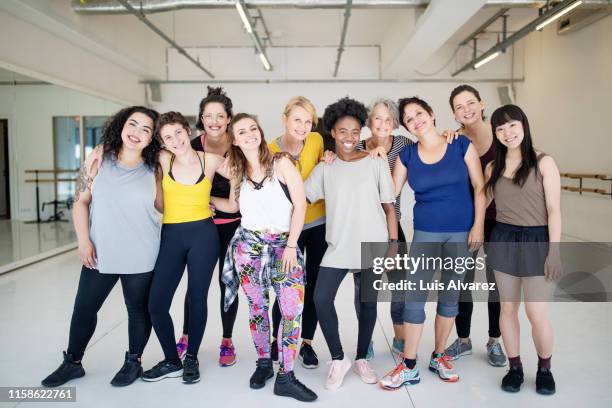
(117,223)
(353,186)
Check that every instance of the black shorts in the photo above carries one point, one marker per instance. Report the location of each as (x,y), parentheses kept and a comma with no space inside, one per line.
(517,250)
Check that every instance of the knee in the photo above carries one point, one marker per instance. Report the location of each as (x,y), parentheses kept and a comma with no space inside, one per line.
(414,314)
(509,309)
(447,309)
(537,316)
(321,299)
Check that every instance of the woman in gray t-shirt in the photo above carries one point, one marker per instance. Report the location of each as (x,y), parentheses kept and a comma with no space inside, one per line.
(117,224)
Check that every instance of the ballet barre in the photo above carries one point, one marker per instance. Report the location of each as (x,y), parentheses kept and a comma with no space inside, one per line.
(582,189)
(57,215)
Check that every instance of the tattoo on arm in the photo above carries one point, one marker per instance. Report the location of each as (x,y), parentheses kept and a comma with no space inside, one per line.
(83,182)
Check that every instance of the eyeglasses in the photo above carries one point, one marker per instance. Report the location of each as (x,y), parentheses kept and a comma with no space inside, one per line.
(217,118)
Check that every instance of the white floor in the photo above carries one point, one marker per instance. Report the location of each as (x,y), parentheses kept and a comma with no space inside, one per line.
(35,307)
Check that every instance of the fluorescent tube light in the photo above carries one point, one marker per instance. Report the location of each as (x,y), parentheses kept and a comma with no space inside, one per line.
(243,17)
(484,61)
(557,15)
(264,61)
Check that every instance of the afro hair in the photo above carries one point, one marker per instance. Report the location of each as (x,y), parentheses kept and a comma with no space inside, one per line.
(344,107)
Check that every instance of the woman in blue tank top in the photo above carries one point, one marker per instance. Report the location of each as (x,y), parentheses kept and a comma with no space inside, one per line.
(446,219)
(117,222)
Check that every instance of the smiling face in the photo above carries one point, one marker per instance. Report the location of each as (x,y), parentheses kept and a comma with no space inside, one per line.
(298,123)
(346,132)
(417,120)
(215,119)
(247,135)
(381,121)
(175,138)
(510,134)
(137,131)
(467,108)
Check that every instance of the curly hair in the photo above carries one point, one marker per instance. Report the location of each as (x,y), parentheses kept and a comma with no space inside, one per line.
(343,108)
(170,118)
(111,135)
(215,94)
(403,102)
(239,166)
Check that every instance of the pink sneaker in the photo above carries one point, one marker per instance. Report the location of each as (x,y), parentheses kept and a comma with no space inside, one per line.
(181,346)
(227,355)
(337,371)
(363,369)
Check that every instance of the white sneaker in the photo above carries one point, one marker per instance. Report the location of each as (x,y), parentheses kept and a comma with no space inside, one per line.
(337,371)
(363,369)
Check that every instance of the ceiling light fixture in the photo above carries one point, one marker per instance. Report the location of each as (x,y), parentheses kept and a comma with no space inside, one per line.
(484,61)
(557,15)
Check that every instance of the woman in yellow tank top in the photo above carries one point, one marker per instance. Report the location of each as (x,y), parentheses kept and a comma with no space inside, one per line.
(188,238)
(306,149)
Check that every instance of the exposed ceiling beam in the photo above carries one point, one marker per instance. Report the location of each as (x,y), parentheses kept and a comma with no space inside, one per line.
(347,17)
(432,30)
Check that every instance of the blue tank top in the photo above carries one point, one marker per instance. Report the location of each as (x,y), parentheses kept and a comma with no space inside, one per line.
(441,190)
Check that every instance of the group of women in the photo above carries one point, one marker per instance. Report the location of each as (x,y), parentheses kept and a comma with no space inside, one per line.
(290,217)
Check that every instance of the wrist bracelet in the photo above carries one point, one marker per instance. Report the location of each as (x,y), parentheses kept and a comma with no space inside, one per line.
(289,246)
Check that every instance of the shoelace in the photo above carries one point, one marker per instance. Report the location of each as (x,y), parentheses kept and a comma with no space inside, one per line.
(190,363)
(227,350)
(335,366)
(397,370)
(445,360)
(496,348)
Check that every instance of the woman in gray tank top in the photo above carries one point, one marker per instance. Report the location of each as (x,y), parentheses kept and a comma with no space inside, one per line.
(117,224)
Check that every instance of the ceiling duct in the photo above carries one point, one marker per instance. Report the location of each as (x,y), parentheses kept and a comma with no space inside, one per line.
(581,18)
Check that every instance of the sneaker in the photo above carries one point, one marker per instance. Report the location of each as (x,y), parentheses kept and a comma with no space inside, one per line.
(495,354)
(398,346)
(308,357)
(163,369)
(512,380)
(444,368)
(370,354)
(68,370)
(191,369)
(286,385)
(458,349)
(545,383)
(400,376)
(337,371)
(263,372)
(130,372)
(227,355)
(181,346)
(274,351)
(363,369)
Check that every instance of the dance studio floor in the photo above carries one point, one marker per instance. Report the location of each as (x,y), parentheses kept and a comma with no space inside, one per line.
(35,307)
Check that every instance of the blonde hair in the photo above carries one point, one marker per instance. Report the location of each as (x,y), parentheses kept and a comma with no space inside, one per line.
(303,103)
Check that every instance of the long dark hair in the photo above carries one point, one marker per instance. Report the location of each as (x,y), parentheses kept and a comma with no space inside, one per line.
(529,158)
(111,135)
(465,88)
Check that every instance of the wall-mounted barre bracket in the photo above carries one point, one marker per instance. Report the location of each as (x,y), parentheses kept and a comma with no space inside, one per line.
(581,189)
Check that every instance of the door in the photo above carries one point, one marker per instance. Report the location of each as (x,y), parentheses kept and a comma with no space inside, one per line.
(5,207)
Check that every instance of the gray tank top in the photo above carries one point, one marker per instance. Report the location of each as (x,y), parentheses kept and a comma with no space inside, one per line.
(524,206)
(124,225)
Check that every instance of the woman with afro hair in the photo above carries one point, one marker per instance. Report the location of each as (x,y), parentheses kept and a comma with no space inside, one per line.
(354,186)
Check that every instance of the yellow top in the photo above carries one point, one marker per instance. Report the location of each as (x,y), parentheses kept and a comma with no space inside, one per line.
(185,202)
(309,157)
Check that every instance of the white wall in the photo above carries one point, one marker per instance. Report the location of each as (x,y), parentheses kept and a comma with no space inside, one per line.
(30,110)
(566,95)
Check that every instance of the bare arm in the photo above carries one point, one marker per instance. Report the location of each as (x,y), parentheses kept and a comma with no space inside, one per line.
(159,192)
(487,176)
(293,179)
(472,162)
(400,175)
(552,194)
(228,205)
(389,209)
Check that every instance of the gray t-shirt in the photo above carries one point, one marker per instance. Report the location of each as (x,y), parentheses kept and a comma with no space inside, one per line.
(353,193)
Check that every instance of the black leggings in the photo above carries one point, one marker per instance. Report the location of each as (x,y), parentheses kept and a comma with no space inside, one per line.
(94,288)
(195,245)
(463,321)
(313,241)
(328,282)
(226,233)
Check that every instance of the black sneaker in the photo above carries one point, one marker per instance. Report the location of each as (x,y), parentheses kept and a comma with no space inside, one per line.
(68,370)
(274,351)
(191,369)
(131,370)
(286,385)
(545,383)
(308,356)
(163,369)
(263,372)
(512,380)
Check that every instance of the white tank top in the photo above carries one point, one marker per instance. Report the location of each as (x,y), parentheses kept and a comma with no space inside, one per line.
(268,208)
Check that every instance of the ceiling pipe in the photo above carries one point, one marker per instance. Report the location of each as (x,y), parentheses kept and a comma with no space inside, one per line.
(159,32)
(347,16)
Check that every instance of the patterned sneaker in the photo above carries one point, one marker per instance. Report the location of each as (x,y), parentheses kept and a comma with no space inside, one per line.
(363,369)
(398,346)
(444,368)
(400,376)
(181,346)
(370,354)
(495,354)
(227,355)
(458,349)
(337,371)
